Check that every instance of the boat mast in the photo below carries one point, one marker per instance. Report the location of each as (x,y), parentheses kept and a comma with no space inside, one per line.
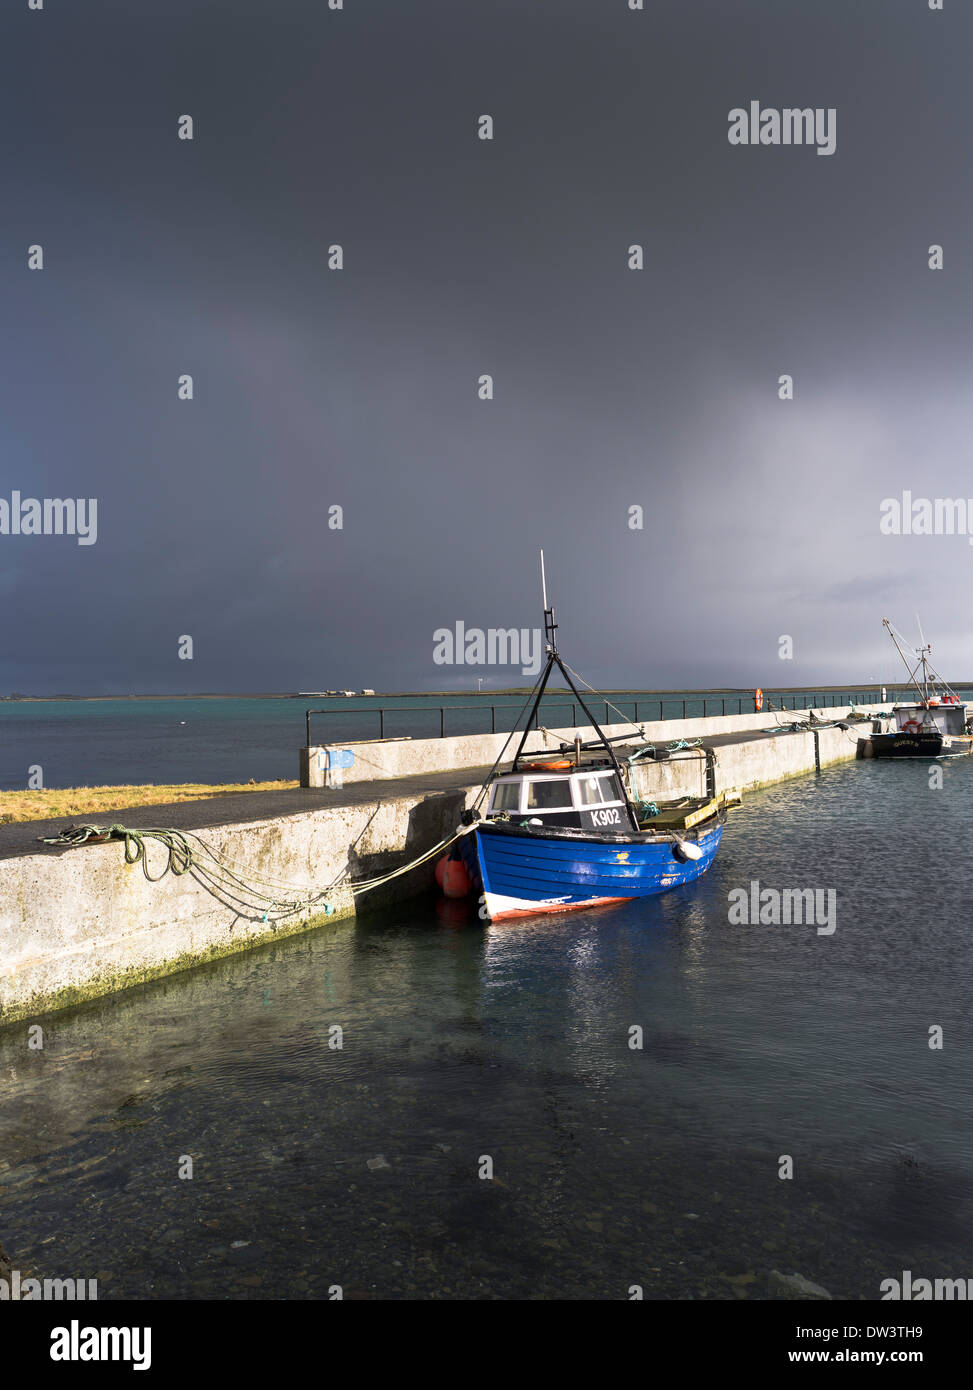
(923,689)
(554,659)
(550,626)
(549,629)
(923,649)
(931,679)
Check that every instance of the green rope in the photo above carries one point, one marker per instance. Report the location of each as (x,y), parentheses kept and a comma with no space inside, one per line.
(646,751)
(208,865)
(187,853)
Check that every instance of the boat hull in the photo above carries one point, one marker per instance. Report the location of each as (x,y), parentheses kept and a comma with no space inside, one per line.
(921,745)
(524,872)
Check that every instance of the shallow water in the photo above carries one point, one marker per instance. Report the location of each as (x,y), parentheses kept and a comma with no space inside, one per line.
(612,1166)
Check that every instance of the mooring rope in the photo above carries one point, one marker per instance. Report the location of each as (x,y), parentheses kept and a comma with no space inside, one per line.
(678,745)
(187,852)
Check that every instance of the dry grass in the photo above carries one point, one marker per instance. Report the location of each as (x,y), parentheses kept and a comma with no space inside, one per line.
(91,801)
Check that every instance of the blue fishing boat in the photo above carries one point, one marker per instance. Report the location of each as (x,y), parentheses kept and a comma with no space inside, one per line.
(525,870)
(562,832)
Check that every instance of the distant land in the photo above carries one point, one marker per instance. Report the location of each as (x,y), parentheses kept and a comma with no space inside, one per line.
(17,698)
(485,695)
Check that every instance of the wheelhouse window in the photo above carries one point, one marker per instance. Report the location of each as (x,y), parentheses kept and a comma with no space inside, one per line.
(506,797)
(549,796)
(595,791)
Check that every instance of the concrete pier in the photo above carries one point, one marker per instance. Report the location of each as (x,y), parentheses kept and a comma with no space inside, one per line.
(79,923)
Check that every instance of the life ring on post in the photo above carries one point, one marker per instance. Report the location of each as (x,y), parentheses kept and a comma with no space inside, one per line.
(758,700)
(558,765)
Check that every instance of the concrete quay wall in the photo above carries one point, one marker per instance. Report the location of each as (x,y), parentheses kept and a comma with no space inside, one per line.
(79,923)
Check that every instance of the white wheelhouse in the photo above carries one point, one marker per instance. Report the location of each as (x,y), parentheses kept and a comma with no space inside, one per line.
(524,793)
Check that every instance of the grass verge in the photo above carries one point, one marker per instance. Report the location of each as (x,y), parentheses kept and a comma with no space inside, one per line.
(92,801)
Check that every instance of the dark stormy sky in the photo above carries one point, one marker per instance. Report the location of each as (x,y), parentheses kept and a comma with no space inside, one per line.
(358,388)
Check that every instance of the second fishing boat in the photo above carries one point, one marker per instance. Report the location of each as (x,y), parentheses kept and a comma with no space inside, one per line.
(935,725)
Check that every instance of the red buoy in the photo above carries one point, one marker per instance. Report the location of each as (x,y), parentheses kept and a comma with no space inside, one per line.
(441,869)
(456,881)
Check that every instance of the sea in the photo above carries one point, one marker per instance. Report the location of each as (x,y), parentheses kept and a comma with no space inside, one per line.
(216,740)
(640,1101)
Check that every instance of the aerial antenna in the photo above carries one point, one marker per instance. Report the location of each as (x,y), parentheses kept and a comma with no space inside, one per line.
(549,624)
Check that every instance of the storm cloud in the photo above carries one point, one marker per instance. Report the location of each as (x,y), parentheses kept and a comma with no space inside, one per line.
(613,388)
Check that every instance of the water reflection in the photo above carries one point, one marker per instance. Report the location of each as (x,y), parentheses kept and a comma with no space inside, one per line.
(359,1165)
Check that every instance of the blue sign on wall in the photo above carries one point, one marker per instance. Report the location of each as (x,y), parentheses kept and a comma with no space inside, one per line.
(331,758)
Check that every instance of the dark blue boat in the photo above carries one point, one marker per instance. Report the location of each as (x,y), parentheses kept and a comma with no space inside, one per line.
(525,870)
(935,725)
(561,831)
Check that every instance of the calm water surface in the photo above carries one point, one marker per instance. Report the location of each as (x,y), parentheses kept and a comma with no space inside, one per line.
(612,1166)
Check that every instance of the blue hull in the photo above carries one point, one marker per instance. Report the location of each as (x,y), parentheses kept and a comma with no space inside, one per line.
(524,873)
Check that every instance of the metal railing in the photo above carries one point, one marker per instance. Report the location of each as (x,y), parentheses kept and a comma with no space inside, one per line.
(743,703)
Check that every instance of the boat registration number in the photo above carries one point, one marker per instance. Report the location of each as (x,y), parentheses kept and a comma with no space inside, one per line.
(609,816)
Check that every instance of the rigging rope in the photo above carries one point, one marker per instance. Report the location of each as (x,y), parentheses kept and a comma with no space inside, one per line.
(487,779)
(608,704)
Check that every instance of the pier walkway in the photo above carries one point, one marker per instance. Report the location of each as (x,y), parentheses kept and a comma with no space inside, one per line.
(241,808)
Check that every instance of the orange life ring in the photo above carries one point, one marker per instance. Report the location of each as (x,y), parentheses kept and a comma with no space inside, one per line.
(558,765)
(758,700)
(912,724)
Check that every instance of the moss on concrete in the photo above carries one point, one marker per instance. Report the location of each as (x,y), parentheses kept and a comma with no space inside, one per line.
(110,982)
